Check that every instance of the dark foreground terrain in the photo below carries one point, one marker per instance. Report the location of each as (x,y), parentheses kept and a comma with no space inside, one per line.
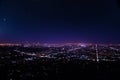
(59,70)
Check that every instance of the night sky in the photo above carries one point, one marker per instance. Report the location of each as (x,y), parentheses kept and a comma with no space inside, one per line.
(96,21)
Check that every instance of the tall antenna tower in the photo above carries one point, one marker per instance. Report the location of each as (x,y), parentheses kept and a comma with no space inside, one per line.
(97,55)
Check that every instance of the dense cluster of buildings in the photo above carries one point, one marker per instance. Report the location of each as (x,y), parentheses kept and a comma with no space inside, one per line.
(81,51)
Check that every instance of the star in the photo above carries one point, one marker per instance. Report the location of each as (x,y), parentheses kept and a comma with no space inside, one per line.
(4,19)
